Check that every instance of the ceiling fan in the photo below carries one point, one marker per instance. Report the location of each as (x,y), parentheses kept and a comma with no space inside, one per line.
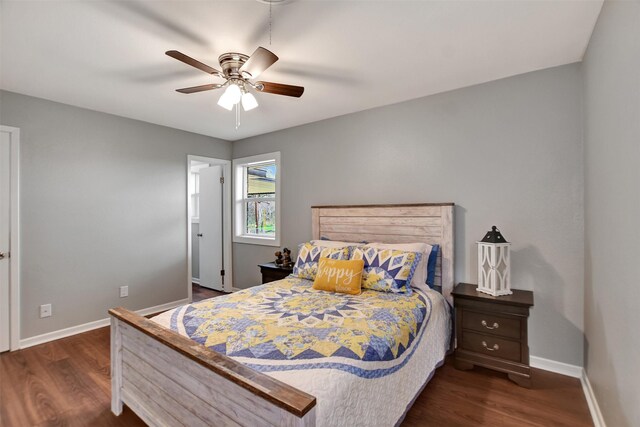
(239,70)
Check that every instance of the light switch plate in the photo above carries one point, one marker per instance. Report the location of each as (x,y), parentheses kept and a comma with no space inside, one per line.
(124,291)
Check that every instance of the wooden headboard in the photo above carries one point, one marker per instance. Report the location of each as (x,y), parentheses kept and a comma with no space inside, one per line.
(431,223)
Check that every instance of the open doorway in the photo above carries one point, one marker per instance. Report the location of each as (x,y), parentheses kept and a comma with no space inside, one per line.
(209,227)
(9,239)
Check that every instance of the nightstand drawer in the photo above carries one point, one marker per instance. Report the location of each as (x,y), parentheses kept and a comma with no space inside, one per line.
(487,323)
(491,346)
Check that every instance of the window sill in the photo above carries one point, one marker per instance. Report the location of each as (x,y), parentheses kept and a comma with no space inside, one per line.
(256,240)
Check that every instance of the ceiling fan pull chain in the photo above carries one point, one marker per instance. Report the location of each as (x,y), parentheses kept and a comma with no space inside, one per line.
(270,4)
(237,116)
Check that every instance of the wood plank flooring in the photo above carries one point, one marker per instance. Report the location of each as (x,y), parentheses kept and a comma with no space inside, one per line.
(482,397)
(66,383)
(200,293)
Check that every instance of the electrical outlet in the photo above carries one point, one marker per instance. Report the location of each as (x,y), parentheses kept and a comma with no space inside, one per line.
(124,291)
(45,310)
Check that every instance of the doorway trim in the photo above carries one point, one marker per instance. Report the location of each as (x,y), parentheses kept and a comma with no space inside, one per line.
(227,249)
(14,243)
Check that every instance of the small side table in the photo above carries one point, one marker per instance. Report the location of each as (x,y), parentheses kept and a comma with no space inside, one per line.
(492,331)
(272,272)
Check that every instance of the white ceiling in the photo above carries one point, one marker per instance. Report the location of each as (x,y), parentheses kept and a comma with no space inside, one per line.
(349,55)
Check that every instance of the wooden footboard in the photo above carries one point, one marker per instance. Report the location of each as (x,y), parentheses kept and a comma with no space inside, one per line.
(168,379)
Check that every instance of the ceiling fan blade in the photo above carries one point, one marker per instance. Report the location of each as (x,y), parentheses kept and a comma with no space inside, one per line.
(202,88)
(258,62)
(280,89)
(194,63)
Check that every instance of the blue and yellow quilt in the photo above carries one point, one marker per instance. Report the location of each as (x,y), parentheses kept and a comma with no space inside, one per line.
(364,357)
(288,320)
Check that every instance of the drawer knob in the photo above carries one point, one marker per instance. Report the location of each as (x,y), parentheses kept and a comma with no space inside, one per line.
(486,347)
(495,325)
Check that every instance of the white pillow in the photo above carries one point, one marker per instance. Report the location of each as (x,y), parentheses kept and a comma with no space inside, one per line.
(419,279)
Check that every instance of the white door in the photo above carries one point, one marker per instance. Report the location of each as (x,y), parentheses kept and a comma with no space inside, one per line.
(211,242)
(5,153)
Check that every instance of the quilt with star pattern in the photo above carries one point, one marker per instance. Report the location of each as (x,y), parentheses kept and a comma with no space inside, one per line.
(287,327)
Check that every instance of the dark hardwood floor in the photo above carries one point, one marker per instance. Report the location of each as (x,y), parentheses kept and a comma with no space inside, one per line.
(200,293)
(482,397)
(66,383)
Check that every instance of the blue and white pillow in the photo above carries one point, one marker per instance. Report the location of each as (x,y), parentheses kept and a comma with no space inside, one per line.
(431,266)
(306,266)
(387,270)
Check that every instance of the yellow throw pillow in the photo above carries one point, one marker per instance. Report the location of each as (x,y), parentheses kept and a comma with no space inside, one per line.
(339,276)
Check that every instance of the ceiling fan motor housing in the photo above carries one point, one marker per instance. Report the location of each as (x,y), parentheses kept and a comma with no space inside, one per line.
(231,63)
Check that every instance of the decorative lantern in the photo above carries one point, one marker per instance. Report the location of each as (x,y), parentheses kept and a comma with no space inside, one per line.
(494,271)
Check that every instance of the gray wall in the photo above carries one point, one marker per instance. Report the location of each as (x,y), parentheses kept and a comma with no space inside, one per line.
(507,153)
(612,209)
(103,205)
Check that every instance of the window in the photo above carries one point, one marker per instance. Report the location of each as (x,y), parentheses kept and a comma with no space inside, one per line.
(257,196)
(194,191)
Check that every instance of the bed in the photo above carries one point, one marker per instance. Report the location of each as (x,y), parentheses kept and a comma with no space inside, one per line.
(269,355)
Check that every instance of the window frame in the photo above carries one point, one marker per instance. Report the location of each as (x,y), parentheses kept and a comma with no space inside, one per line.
(239,182)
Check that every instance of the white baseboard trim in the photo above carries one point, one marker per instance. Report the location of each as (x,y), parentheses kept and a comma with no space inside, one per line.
(234,289)
(63,333)
(195,280)
(86,327)
(594,408)
(557,367)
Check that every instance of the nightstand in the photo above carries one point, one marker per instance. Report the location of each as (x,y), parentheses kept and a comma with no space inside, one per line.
(492,331)
(272,272)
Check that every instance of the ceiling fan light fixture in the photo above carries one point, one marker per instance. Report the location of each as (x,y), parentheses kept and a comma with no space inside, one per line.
(234,93)
(225,102)
(249,101)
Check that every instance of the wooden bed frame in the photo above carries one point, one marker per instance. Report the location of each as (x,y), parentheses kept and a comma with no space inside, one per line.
(168,379)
